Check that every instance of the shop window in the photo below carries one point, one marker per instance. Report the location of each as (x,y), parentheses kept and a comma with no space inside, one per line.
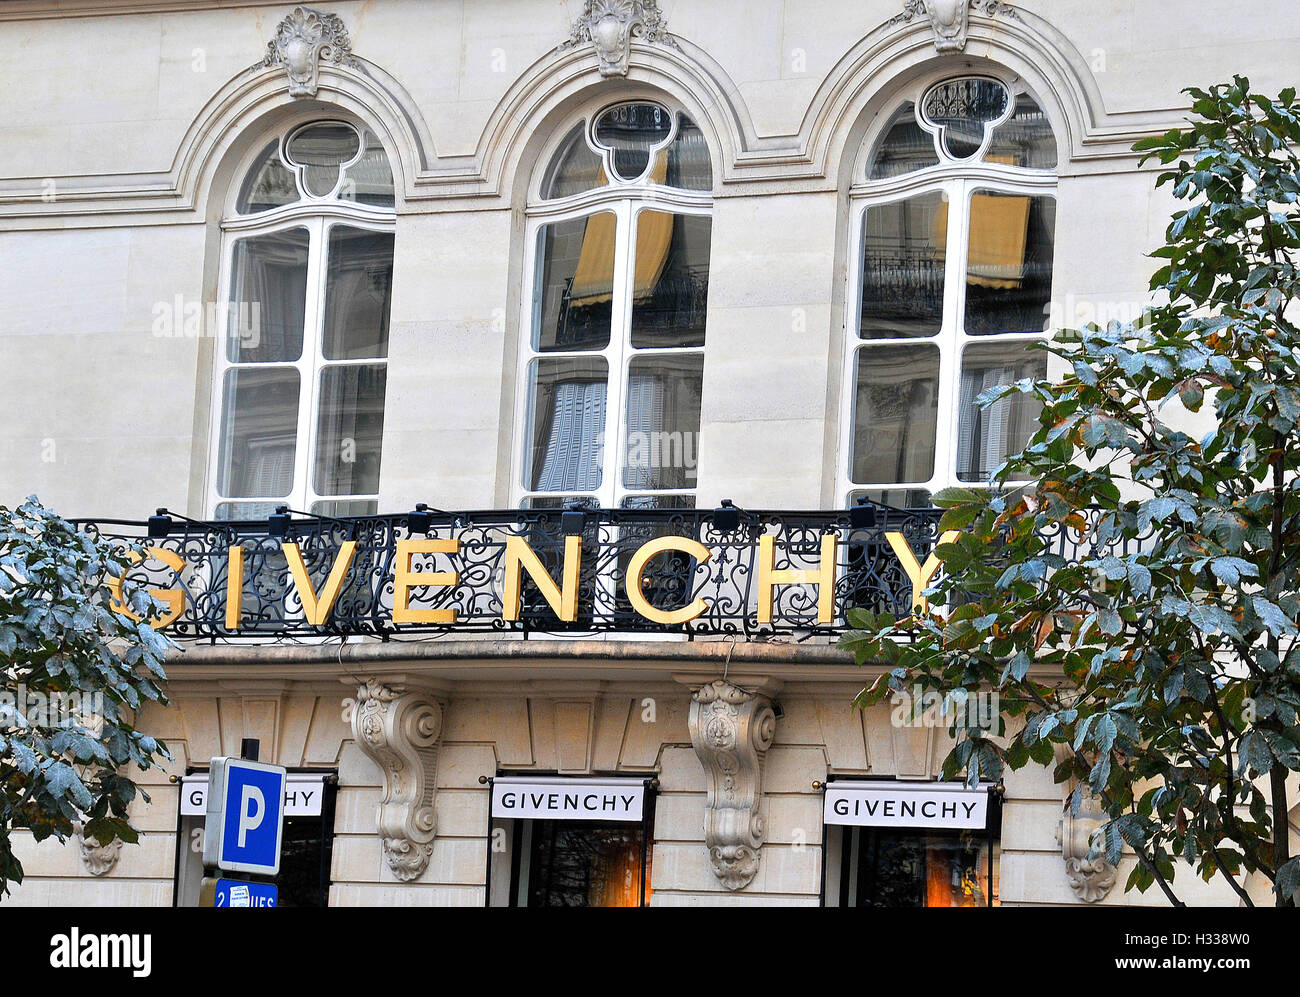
(612,355)
(559,842)
(301,373)
(901,844)
(305,854)
(953,238)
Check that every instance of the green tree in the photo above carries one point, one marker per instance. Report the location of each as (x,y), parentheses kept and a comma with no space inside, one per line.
(73,673)
(1134,602)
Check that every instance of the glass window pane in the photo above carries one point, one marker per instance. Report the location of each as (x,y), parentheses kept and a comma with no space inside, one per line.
(370,178)
(671,282)
(904,244)
(268,295)
(1025,139)
(350,429)
(896,413)
(661,448)
(963,108)
(358,292)
(321,150)
(688,158)
(259,432)
(231,511)
(574,168)
(559,502)
(660,501)
(578,864)
(632,132)
(898,498)
(986,436)
(574,286)
(888,868)
(903,147)
(340,508)
(1009,263)
(566,424)
(269,183)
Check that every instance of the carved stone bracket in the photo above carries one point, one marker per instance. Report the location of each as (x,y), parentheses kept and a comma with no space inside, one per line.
(399,730)
(98,859)
(610,25)
(731,730)
(303,40)
(1090,875)
(949,18)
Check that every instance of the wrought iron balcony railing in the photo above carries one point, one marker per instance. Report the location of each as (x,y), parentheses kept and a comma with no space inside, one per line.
(194,559)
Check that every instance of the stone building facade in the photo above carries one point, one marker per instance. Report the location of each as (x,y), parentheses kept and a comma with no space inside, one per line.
(250,249)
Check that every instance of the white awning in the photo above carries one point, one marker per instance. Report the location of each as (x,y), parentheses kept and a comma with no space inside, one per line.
(303,794)
(925,805)
(558,798)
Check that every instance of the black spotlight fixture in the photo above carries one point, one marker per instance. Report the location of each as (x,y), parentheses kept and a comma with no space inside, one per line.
(726,517)
(862,514)
(418,521)
(573,519)
(160,525)
(277,525)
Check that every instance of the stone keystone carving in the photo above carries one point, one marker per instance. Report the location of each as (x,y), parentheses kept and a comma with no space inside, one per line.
(731,730)
(949,18)
(1090,878)
(399,730)
(304,39)
(98,859)
(610,26)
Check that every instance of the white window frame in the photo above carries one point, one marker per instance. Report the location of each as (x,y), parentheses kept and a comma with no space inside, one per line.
(958,181)
(318,215)
(626,200)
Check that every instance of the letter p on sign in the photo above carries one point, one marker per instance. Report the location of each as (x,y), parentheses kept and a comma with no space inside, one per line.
(245,816)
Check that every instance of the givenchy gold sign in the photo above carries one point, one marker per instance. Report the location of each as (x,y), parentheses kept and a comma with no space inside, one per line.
(521,559)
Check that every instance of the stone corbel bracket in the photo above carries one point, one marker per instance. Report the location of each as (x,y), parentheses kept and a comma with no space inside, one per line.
(400,731)
(98,859)
(1089,873)
(731,730)
(303,40)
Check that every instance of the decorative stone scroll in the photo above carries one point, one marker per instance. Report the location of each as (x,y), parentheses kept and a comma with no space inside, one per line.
(949,19)
(731,730)
(400,731)
(610,25)
(303,40)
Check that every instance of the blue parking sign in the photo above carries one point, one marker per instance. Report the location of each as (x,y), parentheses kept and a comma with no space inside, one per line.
(245,816)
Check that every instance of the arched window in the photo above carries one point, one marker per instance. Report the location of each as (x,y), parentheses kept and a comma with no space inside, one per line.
(307,253)
(953,227)
(616,280)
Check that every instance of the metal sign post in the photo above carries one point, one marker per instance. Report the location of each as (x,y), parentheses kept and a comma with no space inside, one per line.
(244,829)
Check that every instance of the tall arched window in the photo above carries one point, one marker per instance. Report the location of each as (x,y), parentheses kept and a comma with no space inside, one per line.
(954,219)
(307,251)
(617,281)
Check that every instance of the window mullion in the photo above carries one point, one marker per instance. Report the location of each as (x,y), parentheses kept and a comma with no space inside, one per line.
(617,356)
(310,364)
(950,337)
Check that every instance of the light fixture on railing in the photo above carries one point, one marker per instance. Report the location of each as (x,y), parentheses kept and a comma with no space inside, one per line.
(726,517)
(573,519)
(160,524)
(277,524)
(418,521)
(862,514)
